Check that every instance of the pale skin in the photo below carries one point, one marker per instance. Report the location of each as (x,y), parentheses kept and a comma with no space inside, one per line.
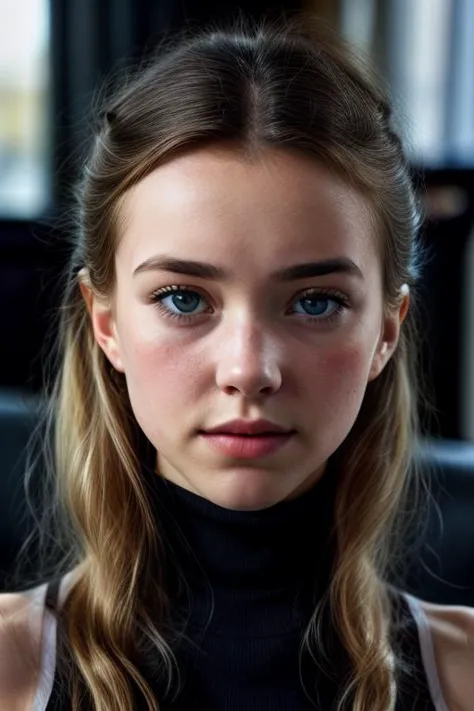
(248,351)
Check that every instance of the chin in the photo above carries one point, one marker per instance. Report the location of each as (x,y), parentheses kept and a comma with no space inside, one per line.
(245,505)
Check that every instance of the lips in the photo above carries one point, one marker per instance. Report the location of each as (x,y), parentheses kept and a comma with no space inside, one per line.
(247,439)
(244,446)
(248,428)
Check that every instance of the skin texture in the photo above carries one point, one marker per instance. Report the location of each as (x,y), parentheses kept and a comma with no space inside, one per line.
(253,347)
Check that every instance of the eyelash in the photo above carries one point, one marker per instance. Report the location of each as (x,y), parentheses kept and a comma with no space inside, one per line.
(342,303)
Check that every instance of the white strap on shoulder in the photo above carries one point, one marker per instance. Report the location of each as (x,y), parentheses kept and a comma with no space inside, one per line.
(43,628)
(43,625)
(427,652)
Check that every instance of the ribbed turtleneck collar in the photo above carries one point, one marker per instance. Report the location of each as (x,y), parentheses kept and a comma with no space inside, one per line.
(250,568)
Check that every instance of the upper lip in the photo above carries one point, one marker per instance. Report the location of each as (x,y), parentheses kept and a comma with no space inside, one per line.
(247,427)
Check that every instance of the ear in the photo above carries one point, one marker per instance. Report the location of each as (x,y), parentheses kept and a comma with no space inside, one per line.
(390,333)
(102,320)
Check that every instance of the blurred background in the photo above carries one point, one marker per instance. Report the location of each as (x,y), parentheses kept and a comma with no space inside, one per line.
(54,55)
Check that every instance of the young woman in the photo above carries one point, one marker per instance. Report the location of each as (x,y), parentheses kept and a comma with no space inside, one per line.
(235,412)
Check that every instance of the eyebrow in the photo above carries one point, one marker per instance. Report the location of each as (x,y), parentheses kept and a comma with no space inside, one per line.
(203,270)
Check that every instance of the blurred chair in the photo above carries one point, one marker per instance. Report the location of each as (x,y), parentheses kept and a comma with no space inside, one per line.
(18,418)
(443,569)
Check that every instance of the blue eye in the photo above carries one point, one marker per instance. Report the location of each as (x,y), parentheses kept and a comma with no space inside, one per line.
(320,306)
(185,301)
(177,301)
(316,305)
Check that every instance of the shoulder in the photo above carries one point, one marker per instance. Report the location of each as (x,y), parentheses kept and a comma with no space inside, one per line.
(28,643)
(20,648)
(452,632)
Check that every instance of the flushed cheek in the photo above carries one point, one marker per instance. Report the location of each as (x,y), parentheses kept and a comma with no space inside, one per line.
(332,396)
(337,376)
(162,374)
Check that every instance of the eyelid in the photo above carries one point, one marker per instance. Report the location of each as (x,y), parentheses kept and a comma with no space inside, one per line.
(324,291)
(173,288)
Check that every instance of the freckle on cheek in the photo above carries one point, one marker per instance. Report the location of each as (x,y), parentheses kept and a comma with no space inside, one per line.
(342,369)
(171,360)
(349,358)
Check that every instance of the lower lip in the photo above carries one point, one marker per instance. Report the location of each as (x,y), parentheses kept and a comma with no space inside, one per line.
(247,447)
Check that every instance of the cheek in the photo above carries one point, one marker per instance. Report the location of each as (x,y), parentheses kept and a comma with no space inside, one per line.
(160,373)
(333,389)
(340,370)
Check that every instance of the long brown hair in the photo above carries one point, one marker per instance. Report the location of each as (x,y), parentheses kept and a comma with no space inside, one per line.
(252,86)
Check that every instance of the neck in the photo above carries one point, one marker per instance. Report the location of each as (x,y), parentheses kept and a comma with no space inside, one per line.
(247,567)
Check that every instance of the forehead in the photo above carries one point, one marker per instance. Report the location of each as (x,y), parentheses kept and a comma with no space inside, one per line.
(220,206)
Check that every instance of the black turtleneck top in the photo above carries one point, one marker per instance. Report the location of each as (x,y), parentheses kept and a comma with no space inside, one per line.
(243,586)
(254,578)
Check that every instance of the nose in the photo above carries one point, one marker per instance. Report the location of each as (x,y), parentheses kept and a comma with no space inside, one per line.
(248,361)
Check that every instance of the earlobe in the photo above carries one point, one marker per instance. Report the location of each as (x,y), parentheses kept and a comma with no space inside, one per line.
(378,362)
(386,345)
(103,323)
(390,335)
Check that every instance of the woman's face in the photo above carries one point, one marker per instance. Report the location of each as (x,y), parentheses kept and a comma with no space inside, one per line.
(246,290)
